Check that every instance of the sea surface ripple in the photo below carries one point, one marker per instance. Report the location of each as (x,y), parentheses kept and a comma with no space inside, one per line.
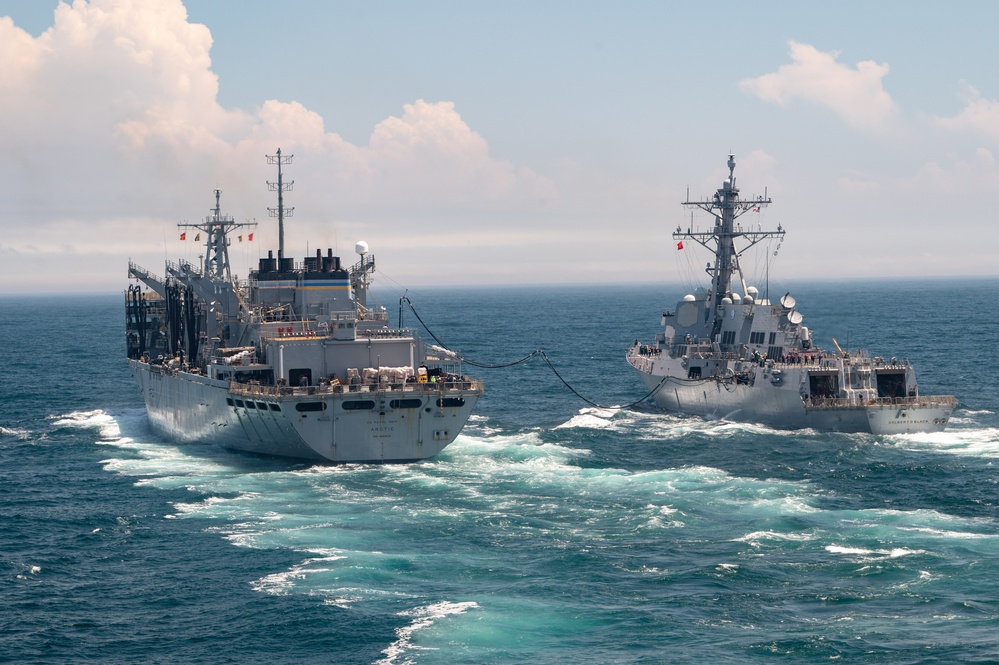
(550,531)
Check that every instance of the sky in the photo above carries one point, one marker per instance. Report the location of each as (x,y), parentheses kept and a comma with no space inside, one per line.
(510,142)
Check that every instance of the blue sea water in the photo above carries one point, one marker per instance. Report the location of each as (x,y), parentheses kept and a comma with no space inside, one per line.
(550,531)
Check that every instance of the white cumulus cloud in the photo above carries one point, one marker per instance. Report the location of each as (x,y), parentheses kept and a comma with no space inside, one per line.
(111,129)
(979,117)
(855,94)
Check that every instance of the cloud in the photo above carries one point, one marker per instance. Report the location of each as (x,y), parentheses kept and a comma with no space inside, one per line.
(114,108)
(112,132)
(957,176)
(980,117)
(855,95)
(430,144)
(855,184)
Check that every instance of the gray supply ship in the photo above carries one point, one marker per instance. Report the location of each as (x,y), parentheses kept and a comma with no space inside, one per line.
(291,362)
(728,352)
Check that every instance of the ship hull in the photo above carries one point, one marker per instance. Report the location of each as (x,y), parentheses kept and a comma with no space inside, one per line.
(373,424)
(784,408)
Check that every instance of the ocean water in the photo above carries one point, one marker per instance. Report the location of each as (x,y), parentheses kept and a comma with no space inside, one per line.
(550,531)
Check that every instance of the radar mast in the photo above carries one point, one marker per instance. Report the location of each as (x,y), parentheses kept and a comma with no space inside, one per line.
(726,206)
(280,187)
(216,229)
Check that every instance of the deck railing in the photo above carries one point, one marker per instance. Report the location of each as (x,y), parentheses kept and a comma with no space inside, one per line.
(844,402)
(414,388)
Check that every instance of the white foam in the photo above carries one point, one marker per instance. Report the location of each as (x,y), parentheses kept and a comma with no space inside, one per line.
(482,454)
(926,576)
(981,442)
(643,570)
(837,549)
(164,466)
(663,510)
(29,570)
(755,537)
(423,617)
(15,432)
(281,584)
(877,554)
(591,418)
(945,533)
(661,517)
(669,427)
(586,421)
(99,419)
(214,506)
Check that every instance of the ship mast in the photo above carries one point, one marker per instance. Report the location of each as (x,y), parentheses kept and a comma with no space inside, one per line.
(280,187)
(216,229)
(726,207)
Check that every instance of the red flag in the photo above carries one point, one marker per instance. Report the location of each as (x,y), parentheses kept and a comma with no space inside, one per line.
(183,236)
(756,209)
(679,245)
(250,237)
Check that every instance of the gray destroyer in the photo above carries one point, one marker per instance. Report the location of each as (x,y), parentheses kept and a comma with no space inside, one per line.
(728,352)
(291,362)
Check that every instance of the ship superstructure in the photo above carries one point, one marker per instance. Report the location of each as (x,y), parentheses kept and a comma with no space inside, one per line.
(728,352)
(292,361)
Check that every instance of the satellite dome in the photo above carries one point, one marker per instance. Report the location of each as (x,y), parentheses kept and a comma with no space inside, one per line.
(736,298)
(752,291)
(689,298)
(361,247)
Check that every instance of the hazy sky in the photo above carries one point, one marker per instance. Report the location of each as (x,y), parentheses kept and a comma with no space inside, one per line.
(497,143)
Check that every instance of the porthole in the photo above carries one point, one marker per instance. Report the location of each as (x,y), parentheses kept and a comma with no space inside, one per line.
(412,403)
(451,401)
(358,405)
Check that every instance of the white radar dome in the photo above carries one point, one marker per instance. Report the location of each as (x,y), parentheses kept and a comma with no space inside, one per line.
(689,298)
(752,291)
(361,247)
